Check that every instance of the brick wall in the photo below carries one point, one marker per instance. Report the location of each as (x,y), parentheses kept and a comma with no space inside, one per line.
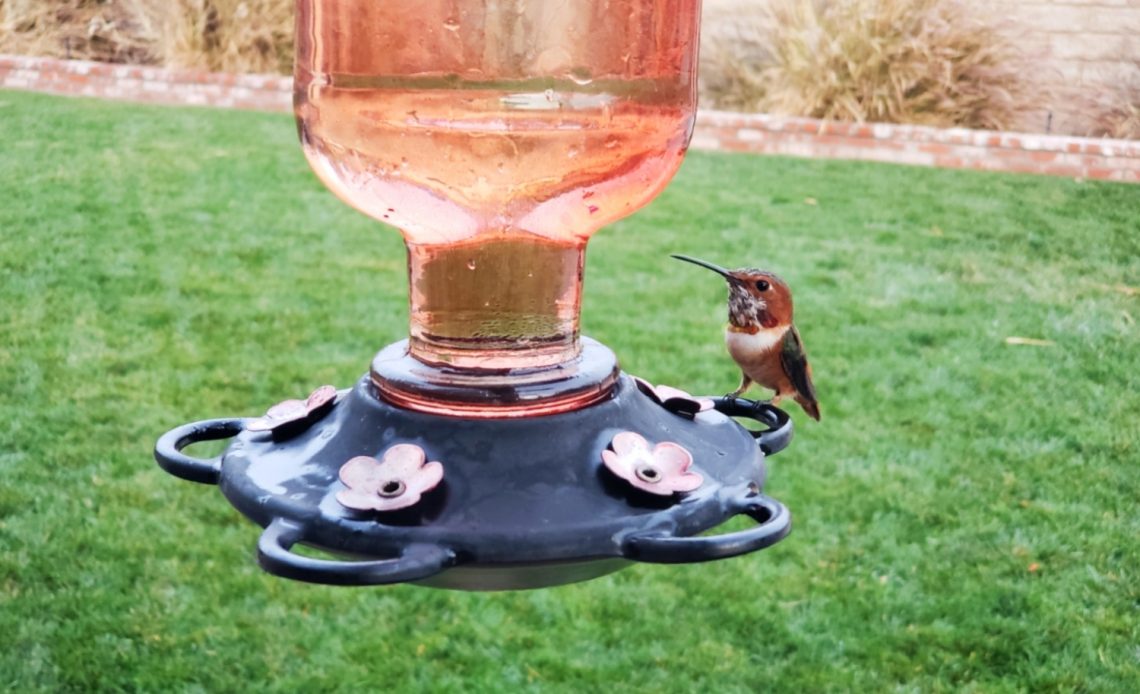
(1077,157)
(1081,49)
(955,148)
(146,84)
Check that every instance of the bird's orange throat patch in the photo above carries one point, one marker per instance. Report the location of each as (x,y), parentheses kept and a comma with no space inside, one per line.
(750,330)
(766,322)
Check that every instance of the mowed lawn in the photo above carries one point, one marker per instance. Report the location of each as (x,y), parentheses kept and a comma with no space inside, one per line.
(966,514)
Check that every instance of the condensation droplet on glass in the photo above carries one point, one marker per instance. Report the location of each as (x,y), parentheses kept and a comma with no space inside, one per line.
(610,142)
(471,264)
(549,94)
(451,24)
(572,152)
(403,162)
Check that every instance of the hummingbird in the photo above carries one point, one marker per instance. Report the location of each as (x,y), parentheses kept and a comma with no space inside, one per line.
(761,337)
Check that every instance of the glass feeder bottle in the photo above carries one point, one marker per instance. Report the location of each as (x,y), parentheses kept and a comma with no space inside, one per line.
(497,136)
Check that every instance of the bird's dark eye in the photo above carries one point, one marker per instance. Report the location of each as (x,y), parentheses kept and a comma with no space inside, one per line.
(762,285)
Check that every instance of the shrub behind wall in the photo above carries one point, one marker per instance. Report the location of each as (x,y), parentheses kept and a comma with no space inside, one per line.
(930,62)
(225,35)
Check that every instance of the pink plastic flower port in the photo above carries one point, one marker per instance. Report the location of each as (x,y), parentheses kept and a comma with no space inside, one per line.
(664,470)
(295,411)
(673,399)
(397,482)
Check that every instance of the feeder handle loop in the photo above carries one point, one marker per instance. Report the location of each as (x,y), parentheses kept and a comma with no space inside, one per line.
(775,522)
(415,561)
(779,432)
(168,450)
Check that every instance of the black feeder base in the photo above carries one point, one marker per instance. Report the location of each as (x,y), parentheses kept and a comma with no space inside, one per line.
(523,503)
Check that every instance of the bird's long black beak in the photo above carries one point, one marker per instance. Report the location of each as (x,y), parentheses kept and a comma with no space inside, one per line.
(715,268)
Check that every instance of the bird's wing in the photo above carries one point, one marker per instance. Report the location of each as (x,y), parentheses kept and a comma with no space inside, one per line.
(795,363)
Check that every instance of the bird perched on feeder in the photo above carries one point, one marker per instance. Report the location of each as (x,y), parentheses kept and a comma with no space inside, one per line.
(761,337)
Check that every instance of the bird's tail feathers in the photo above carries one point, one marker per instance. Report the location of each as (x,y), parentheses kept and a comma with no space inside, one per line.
(810,406)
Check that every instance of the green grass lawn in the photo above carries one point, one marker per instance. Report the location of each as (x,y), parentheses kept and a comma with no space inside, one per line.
(966,515)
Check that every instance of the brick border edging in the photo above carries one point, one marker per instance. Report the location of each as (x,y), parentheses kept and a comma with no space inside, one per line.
(1059,155)
(146,84)
(955,148)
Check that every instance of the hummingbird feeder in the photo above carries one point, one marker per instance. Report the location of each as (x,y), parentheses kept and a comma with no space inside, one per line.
(494,448)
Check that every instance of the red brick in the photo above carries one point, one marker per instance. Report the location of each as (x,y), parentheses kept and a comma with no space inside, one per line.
(1068,170)
(862,143)
(735,145)
(1006,153)
(1099,173)
(720,133)
(1128,163)
(935,148)
(1023,166)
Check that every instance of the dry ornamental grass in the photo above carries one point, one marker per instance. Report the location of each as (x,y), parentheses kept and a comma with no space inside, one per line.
(228,35)
(1115,107)
(931,62)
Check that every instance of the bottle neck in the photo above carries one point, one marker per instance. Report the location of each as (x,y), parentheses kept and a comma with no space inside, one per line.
(494,332)
(502,303)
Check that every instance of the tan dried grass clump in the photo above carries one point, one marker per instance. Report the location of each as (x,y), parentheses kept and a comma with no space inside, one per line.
(1115,109)
(229,35)
(931,62)
(730,81)
(733,54)
(89,29)
(226,35)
